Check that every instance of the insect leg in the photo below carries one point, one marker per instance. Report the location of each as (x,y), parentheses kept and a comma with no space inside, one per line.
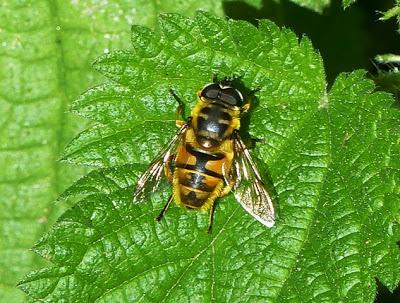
(227,189)
(245,108)
(180,119)
(211,220)
(248,104)
(251,142)
(214,78)
(165,208)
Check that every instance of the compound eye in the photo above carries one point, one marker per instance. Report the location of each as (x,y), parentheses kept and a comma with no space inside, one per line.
(232,96)
(211,91)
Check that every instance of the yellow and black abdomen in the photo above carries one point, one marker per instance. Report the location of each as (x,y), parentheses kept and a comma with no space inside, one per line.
(205,154)
(198,177)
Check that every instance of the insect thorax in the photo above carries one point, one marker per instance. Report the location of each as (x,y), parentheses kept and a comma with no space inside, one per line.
(214,122)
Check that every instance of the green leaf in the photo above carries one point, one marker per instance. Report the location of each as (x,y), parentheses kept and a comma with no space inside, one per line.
(332,157)
(46,49)
(347,3)
(320,5)
(393,12)
(256,3)
(315,5)
(388,75)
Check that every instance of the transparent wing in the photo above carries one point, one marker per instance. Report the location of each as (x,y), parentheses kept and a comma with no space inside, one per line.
(150,181)
(249,189)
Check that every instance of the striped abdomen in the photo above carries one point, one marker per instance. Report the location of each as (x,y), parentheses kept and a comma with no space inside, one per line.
(198,177)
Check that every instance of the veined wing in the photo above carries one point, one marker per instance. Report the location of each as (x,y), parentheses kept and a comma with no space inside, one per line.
(249,189)
(150,181)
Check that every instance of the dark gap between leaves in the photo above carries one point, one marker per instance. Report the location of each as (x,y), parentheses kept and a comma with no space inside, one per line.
(347,39)
(385,296)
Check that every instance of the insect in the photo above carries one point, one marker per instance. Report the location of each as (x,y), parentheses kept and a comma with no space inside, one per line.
(207,159)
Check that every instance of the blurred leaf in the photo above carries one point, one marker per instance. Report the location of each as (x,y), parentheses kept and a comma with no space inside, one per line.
(387,77)
(393,12)
(333,158)
(388,81)
(347,3)
(256,3)
(317,5)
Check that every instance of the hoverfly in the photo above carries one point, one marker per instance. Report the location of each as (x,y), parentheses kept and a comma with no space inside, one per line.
(207,159)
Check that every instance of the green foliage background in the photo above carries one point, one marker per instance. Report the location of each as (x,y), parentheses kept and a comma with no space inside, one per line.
(46,51)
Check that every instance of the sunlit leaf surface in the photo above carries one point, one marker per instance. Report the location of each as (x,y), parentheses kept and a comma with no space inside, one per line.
(331,156)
